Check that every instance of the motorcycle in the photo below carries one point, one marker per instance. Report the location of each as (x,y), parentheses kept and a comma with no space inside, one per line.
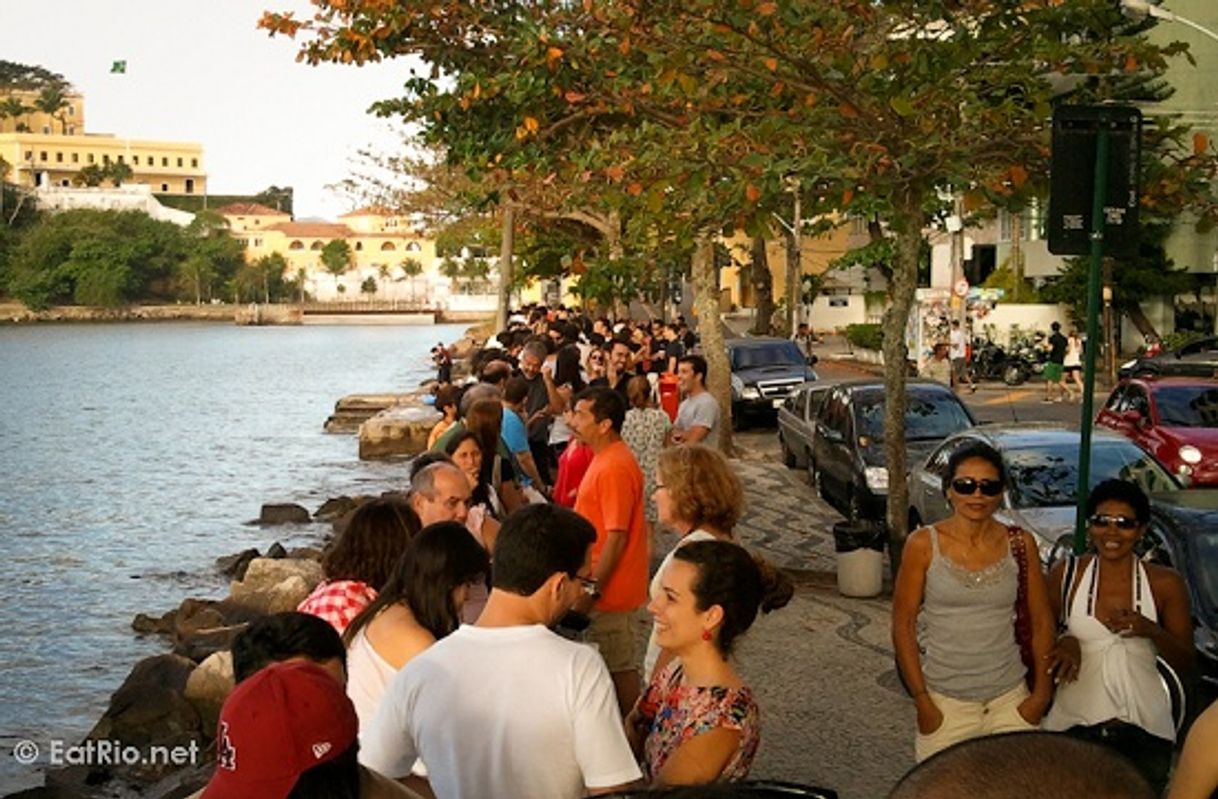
(992,362)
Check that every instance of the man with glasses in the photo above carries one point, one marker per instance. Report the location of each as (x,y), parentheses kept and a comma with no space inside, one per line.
(610,496)
(505,707)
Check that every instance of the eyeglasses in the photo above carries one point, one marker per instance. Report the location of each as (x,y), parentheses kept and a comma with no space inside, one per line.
(588,585)
(1108,520)
(969,485)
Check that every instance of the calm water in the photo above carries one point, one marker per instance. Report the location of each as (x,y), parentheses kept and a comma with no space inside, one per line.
(131,457)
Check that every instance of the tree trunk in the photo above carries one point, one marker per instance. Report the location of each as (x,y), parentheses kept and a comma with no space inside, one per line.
(763,288)
(706,306)
(506,248)
(907,223)
(794,267)
(1016,255)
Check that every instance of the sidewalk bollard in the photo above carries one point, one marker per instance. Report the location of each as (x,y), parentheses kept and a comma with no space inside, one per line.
(860,558)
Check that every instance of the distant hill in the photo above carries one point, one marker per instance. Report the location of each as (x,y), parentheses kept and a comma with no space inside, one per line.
(24,76)
(273,197)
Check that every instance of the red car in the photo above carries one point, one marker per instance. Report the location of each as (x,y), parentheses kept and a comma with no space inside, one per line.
(1175,419)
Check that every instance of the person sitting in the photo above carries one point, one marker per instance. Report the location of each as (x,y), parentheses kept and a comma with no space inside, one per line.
(697,721)
(420,605)
(359,560)
(1119,614)
(446,403)
(289,732)
(289,636)
(1020,765)
(505,707)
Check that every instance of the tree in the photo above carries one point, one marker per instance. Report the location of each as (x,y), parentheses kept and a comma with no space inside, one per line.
(336,258)
(368,287)
(52,100)
(91,175)
(411,269)
(117,172)
(13,108)
(763,285)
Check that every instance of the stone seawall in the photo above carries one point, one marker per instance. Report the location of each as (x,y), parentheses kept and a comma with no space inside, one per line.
(16,313)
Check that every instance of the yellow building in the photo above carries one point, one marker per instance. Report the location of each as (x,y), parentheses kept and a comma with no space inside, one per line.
(816,254)
(48,150)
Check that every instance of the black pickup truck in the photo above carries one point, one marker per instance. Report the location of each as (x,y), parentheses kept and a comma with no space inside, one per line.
(764,370)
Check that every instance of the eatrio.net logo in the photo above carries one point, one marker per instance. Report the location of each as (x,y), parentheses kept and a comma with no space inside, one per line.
(57,752)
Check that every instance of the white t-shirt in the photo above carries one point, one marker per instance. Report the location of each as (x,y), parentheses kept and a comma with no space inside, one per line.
(956,344)
(653,649)
(503,712)
(700,410)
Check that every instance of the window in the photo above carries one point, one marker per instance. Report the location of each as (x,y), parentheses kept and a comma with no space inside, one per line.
(190,186)
(179,162)
(296,245)
(76,158)
(413,247)
(29,155)
(194,162)
(42,156)
(164,161)
(105,158)
(122,160)
(388,247)
(65,183)
(46,130)
(317,245)
(257,242)
(359,245)
(71,110)
(59,158)
(135,159)
(164,187)
(89,158)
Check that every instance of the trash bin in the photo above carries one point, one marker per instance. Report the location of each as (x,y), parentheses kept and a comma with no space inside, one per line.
(860,558)
(670,396)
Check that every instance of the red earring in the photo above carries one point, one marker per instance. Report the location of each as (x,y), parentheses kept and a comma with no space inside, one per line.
(706,635)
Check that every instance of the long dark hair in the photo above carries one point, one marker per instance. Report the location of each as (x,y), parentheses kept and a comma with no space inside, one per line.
(371,542)
(442,557)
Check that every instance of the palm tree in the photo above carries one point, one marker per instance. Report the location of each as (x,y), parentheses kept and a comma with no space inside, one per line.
(11,108)
(411,268)
(336,258)
(51,101)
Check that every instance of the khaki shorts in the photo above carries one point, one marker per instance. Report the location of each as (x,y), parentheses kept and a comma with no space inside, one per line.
(613,634)
(966,720)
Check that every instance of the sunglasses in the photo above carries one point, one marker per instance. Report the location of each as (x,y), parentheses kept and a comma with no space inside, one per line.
(968,485)
(1107,520)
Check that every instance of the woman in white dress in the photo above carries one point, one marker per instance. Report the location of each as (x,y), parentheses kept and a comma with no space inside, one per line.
(1122,614)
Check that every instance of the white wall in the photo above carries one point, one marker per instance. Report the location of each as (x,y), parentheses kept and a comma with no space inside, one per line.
(825,316)
(1028,317)
(136,197)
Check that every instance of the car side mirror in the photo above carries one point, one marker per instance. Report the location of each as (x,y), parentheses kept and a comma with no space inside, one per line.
(812,359)
(1132,417)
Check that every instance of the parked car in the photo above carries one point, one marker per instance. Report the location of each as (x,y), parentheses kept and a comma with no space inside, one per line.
(848,467)
(797,422)
(764,370)
(1183,534)
(1042,477)
(1196,359)
(1175,419)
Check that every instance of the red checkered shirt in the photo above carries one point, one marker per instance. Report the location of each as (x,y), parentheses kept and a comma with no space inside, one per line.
(338,602)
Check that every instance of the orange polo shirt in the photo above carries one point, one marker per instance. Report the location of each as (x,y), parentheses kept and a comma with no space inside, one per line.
(611,497)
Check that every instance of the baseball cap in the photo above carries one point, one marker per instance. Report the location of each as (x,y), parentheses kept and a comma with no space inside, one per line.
(277,724)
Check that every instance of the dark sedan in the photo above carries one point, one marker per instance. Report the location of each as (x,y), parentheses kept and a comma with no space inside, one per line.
(1183,534)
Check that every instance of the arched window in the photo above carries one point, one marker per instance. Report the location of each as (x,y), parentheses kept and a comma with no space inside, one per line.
(317,245)
(413,247)
(388,247)
(296,245)
(359,245)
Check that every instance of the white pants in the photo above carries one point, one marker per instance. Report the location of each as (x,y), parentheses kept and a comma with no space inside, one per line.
(963,720)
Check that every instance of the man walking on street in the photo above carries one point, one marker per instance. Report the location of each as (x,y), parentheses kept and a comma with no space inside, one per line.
(959,353)
(698,415)
(611,497)
(1055,369)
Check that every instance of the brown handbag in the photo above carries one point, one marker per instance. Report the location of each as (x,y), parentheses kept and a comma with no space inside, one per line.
(1023,613)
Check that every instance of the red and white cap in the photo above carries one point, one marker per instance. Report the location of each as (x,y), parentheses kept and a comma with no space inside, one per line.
(276,725)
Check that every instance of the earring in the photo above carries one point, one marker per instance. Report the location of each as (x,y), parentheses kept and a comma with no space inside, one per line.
(706,635)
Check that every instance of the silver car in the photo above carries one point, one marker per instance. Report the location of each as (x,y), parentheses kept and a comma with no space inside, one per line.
(797,422)
(1042,477)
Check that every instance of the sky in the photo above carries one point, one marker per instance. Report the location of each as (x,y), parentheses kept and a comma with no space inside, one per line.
(200,71)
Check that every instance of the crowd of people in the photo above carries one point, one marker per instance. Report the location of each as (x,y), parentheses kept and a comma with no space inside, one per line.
(447,652)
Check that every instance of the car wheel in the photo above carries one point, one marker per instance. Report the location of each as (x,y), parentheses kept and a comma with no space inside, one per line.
(788,457)
(1014,375)
(814,480)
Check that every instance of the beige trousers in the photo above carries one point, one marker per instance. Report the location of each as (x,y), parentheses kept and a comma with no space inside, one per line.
(964,720)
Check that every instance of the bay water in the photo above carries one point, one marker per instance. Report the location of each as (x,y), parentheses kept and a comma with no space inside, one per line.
(131,457)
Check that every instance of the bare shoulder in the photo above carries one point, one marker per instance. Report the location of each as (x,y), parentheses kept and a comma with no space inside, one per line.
(917,546)
(1164,578)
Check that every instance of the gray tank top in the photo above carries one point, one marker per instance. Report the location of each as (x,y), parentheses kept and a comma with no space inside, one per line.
(967,633)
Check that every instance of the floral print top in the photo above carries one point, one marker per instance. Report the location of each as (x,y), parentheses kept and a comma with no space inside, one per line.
(679,712)
(644,431)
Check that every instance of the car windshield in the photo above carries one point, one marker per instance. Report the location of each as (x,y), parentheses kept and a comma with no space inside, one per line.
(927,416)
(781,353)
(1047,476)
(1187,406)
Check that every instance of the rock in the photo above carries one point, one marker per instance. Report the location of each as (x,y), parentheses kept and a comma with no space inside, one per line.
(283,513)
(209,685)
(274,586)
(204,643)
(462,348)
(150,707)
(233,566)
(305,553)
(401,431)
(353,410)
(334,508)
(147,625)
(276,551)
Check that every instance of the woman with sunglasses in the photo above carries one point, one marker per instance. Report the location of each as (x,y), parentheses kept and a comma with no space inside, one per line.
(968,590)
(1119,614)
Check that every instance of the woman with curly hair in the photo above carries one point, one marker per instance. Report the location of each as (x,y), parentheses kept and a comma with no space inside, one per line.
(361,558)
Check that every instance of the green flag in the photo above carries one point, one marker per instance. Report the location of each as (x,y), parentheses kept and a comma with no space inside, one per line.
(118,68)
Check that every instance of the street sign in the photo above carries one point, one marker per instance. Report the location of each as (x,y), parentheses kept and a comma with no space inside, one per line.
(961,288)
(1072,177)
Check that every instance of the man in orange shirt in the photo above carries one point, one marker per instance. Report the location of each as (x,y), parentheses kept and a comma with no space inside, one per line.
(611,497)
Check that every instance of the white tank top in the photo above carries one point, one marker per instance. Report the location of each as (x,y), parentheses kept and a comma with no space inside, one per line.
(368,675)
(1117,678)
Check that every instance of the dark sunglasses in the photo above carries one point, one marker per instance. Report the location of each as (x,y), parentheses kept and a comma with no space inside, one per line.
(1106,520)
(968,485)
